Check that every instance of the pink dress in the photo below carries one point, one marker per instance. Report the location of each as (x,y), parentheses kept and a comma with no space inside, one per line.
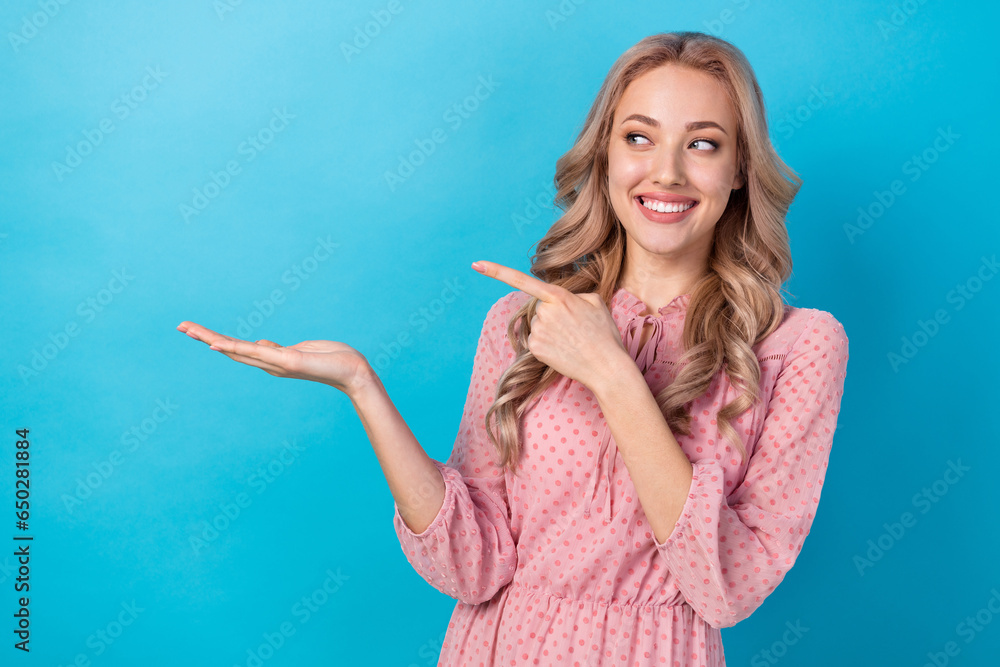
(557,565)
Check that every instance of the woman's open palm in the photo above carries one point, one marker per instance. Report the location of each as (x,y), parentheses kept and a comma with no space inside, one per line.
(329,362)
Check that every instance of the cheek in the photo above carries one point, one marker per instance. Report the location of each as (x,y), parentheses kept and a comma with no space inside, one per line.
(715,183)
(624,174)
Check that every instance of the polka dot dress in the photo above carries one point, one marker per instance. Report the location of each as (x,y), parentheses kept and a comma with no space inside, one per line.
(557,565)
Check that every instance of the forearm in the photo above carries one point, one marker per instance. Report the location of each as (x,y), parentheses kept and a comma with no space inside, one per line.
(414,481)
(659,468)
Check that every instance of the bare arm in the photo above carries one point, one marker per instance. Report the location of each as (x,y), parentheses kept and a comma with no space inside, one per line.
(414,481)
(444,511)
(659,468)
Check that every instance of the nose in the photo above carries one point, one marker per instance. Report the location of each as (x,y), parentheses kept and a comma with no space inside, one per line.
(668,168)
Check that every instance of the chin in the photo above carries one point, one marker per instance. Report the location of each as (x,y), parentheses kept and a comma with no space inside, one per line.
(659,244)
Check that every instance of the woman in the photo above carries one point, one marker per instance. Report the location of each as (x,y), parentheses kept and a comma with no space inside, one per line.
(648,425)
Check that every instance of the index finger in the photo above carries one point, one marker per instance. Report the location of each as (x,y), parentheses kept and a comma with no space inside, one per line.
(230,345)
(522,281)
(199,332)
(206,335)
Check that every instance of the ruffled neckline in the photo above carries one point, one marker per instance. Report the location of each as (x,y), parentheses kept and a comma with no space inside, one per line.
(626,308)
(626,302)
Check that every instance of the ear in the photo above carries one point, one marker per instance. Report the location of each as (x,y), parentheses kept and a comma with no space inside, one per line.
(738,181)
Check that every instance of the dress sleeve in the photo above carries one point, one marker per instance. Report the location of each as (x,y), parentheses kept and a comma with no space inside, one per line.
(729,554)
(467,552)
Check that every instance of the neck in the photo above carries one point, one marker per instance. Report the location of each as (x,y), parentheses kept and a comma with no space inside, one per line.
(657,284)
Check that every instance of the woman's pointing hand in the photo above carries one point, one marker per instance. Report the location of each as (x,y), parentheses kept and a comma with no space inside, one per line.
(571,333)
(329,362)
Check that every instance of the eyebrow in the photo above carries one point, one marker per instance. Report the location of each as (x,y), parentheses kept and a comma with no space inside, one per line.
(690,127)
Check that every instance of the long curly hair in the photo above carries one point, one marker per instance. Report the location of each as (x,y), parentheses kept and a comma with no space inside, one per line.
(736,304)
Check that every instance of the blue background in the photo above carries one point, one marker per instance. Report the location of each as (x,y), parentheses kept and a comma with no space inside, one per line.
(854,90)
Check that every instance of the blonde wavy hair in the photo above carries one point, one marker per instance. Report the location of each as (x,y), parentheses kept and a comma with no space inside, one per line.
(732,307)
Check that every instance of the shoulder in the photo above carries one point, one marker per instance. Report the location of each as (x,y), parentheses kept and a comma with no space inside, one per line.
(504,308)
(499,315)
(806,331)
(508,304)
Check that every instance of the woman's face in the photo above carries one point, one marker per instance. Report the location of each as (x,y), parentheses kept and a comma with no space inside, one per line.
(673,140)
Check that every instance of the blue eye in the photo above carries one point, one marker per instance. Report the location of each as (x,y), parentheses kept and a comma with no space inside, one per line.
(631,135)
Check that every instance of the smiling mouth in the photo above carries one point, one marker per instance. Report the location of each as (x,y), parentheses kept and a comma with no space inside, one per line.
(666,207)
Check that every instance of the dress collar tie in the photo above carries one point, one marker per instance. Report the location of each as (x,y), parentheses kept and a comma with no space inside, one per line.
(608,451)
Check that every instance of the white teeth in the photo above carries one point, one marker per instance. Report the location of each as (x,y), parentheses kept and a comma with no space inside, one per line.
(664,207)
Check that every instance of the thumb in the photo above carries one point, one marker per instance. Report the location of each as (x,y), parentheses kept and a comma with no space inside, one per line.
(269,343)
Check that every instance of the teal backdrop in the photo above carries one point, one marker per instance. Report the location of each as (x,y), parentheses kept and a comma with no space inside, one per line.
(329,170)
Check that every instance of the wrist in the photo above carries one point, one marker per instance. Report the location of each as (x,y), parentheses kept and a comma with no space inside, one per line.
(616,372)
(364,381)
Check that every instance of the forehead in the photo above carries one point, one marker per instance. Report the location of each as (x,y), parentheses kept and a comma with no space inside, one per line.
(676,95)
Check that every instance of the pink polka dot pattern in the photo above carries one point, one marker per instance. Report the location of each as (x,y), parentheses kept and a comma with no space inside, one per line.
(557,565)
